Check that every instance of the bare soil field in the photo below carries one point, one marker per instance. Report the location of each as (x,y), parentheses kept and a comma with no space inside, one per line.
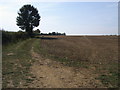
(98,54)
(62,62)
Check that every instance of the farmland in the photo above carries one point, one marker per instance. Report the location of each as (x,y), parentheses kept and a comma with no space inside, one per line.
(62,61)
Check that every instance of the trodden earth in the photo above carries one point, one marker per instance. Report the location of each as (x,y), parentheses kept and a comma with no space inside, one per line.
(24,67)
(53,74)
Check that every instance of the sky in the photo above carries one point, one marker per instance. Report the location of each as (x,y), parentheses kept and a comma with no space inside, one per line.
(73,18)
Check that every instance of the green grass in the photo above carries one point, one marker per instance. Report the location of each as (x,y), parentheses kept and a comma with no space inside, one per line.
(110,78)
(16,67)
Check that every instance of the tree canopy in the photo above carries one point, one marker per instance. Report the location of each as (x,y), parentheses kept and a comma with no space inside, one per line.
(28,18)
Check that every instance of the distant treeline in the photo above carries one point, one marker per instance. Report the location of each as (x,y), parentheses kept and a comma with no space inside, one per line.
(10,37)
(53,33)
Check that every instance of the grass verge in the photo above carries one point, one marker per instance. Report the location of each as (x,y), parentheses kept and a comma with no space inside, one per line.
(16,62)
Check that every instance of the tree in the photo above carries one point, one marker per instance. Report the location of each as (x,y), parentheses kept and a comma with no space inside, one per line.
(28,18)
(37,31)
(53,33)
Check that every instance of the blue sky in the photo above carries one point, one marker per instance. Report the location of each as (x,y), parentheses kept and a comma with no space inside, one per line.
(73,18)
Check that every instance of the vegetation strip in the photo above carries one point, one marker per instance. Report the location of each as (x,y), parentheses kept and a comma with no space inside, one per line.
(17,64)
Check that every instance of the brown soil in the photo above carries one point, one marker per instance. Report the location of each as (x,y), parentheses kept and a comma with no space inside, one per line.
(52,74)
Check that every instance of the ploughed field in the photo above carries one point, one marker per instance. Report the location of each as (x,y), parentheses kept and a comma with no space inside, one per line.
(62,61)
(91,49)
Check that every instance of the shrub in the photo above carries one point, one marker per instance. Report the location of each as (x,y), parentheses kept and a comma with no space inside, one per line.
(10,37)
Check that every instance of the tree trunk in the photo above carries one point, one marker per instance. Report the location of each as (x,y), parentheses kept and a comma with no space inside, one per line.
(29,30)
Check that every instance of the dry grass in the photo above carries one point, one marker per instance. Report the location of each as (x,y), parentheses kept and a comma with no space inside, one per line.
(102,48)
(99,52)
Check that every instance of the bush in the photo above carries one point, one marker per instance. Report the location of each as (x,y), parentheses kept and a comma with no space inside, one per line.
(10,37)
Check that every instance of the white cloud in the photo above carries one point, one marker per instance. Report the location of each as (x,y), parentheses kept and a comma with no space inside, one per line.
(7,18)
(50,23)
(112,5)
(9,13)
(27,1)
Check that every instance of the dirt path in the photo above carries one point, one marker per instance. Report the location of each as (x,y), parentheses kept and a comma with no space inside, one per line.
(53,74)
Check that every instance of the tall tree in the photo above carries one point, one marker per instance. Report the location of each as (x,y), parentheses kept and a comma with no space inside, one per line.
(28,18)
